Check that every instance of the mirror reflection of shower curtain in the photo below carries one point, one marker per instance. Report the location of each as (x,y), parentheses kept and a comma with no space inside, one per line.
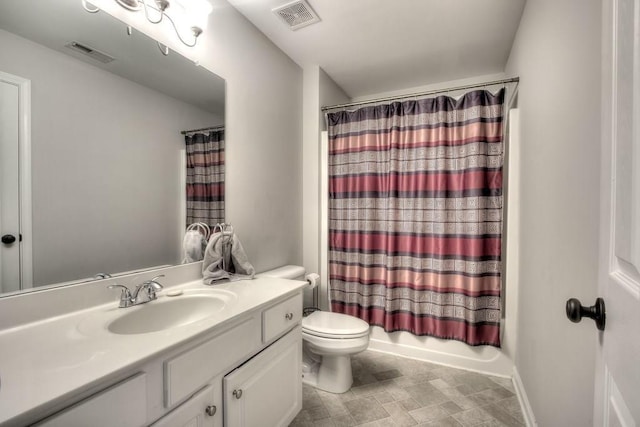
(415,215)
(205,177)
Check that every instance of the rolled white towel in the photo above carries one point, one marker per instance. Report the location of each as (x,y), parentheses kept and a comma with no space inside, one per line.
(193,246)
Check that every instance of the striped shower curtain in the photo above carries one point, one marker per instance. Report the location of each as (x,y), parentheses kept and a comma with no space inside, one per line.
(415,215)
(205,177)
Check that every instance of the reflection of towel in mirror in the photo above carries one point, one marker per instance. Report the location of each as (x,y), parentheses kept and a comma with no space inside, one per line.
(225,258)
(193,245)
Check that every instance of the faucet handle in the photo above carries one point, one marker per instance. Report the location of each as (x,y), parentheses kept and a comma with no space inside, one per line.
(125,295)
(154,283)
(152,286)
(125,290)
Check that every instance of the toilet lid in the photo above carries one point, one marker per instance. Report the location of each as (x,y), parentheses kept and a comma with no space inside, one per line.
(334,325)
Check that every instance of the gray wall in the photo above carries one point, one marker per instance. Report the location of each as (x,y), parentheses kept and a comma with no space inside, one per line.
(319,90)
(105,165)
(264,137)
(557,56)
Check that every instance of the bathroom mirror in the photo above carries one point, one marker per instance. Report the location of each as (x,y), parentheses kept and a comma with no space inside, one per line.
(107,156)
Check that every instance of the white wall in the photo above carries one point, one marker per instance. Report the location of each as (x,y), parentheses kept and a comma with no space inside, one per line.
(319,90)
(557,56)
(330,94)
(263,129)
(435,86)
(105,166)
(311,169)
(264,148)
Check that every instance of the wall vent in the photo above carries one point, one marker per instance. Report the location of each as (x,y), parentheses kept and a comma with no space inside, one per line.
(297,14)
(90,52)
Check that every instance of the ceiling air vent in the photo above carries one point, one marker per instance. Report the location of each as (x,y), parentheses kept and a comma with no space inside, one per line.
(90,52)
(297,14)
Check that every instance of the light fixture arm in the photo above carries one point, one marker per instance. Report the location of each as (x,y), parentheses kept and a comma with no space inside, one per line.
(163,5)
(195,30)
(160,6)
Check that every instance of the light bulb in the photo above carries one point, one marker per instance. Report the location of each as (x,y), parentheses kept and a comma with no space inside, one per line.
(195,13)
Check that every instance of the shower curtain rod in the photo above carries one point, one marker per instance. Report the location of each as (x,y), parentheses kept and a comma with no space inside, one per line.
(413,95)
(184,132)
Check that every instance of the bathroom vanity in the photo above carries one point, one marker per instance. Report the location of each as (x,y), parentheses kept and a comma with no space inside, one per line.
(227,355)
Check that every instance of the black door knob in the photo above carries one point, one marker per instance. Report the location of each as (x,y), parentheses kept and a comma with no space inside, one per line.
(7,239)
(576,311)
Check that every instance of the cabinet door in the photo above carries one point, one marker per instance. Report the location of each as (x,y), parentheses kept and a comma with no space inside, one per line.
(198,411)
(267,390)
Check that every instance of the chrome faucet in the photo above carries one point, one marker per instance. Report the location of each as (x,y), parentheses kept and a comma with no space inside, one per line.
(144,292)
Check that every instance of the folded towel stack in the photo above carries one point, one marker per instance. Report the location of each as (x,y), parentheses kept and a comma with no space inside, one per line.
(225,258)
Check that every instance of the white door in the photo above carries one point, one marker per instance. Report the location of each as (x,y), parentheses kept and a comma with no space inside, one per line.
(617,396)
(9,192)
(15,183)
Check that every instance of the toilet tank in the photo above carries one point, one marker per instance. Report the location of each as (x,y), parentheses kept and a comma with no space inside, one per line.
(295,272)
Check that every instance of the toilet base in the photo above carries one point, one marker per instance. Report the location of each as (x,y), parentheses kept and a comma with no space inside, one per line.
(333,374)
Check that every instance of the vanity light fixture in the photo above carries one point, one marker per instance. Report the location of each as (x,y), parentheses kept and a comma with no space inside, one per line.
(191,15)
(183,14)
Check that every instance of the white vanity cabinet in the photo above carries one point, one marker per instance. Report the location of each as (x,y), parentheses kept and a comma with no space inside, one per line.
(267,390)
(190,370)
(198,411)
(256,354)
(264,391)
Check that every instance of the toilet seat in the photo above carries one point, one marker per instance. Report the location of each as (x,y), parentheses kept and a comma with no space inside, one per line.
(334,325)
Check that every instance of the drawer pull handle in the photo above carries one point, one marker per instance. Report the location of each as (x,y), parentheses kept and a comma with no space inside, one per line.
(288,316)
(237,393)
(211,410)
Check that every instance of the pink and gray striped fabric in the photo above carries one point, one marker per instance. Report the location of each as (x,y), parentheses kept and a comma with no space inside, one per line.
(415,215)
(205,177)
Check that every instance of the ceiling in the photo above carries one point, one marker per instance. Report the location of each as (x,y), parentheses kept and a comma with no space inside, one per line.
(375,46)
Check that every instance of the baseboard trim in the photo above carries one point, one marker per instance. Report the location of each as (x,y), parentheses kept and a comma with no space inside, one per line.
(499,365)
(527,411)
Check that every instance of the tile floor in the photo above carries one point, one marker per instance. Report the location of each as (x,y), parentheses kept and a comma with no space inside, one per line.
(394,391)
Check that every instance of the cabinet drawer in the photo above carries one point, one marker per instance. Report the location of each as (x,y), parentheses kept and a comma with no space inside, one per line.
(123,404)
(281,317)
(186,373)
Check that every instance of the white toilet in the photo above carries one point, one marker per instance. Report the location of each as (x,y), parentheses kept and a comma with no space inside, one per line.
(329,340)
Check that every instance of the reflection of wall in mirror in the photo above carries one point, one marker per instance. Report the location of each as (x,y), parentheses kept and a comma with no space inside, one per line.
(105,165)
(263,119)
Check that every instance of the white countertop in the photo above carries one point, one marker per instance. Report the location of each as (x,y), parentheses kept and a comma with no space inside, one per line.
(56,358)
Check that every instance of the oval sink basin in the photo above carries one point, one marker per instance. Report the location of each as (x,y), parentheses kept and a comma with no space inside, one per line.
(169,312)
